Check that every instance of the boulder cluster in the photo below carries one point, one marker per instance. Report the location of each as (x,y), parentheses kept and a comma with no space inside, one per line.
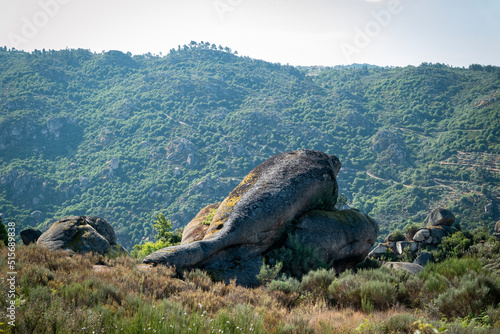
(290,195)
(438,225)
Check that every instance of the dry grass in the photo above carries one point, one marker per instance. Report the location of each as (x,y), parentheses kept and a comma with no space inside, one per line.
(62,294)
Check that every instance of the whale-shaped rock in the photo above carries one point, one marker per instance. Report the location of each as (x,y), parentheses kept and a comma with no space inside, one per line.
(255,213)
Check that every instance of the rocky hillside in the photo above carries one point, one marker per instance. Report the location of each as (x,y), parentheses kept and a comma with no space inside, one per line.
(125,137)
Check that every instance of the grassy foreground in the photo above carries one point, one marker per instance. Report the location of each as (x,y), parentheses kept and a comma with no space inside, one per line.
(94,294)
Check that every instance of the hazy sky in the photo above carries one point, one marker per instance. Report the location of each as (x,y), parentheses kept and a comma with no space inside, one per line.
(298,32)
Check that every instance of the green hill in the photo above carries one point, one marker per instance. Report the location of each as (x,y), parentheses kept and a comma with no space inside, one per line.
(125,137)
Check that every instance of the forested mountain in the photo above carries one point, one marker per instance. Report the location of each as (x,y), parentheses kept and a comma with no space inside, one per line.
(125,137)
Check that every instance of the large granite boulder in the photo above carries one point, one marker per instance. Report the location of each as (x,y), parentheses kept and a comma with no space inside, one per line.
(30,235)
(344,236)
(254,215)
(440,217)
(79,234)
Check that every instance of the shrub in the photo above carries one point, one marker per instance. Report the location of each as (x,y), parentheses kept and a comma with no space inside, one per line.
(297,258)
(268,273)
(141,251)
(436,284)
(165,237)
(400,323)
(164,231)
(451,268)
(489,255)
(287,285)
(481,234)
(397,236)
(470,294)
(317,281)
(36,275)
(381,294)
(452,246)
(414,287)
(407,255)
(410,230)
(4,238)
(199,278)
(367,305)
(378,287)
(369,263)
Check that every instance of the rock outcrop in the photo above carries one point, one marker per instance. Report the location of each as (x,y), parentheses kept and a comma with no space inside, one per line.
(440,217)
(181,150)
(286,189)
(30,235)
(438,225)
(80,235)
(390,147)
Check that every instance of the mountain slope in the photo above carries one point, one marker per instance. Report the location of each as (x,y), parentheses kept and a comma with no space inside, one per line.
(125,137)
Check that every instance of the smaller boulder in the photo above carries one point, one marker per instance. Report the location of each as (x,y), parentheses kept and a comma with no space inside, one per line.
(379,250)
(412,268)
(103,228)
(438,233)
(30,235)
(440,217)
(421,235)
(402,245)
(423,258)
(497,230)
(76,234)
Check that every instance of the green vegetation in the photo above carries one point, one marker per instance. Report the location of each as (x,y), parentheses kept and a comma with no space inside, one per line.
(4,236)
(296,258)
(124,137)
(93,293)
(210,217)
(164,235)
